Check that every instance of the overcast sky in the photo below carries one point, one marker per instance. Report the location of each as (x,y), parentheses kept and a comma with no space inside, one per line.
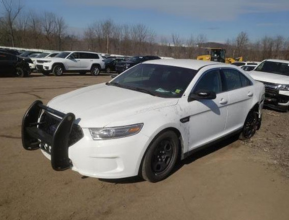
(218,20)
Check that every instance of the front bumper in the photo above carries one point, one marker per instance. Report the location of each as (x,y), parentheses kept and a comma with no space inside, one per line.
(276,99)
(114,158)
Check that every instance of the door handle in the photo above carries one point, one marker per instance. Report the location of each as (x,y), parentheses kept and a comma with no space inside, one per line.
(223,101)
(250,94)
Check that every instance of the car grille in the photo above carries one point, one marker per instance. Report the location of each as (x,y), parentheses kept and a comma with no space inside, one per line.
(39,67)
(271,88)
(49,124)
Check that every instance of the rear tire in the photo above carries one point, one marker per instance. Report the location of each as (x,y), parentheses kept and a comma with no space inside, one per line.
(160,157)
(108,70)
(95,70)
(251,125)
(58,70)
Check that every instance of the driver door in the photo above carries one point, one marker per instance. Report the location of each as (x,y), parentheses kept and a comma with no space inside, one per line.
(73,62)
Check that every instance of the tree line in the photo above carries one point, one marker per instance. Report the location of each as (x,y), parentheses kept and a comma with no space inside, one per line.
(50,31)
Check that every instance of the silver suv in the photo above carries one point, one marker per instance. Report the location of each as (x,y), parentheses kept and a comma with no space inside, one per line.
(73,61)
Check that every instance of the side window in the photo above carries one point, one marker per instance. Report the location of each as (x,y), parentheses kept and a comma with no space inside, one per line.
(93,56)
(232,79)
(245,81)
(210,81)
(235,79)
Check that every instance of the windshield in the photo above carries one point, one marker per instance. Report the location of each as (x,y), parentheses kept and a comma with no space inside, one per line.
(158,80)
(42,55)
(274,67)
(62,54)
(134,59)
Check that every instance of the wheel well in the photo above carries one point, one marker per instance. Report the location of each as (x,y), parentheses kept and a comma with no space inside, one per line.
(61,64)
(95,64)
(181,145)
(255,108)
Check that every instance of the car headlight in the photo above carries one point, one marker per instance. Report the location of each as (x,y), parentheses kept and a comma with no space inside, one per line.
(115,132)
(283,87)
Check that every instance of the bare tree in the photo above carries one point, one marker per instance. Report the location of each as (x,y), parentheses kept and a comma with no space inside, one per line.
(242,42)
(139,34)
(107,28)
(11,11)
(35,27)
(60,28)
(191,43)
(278,46)
(48,25)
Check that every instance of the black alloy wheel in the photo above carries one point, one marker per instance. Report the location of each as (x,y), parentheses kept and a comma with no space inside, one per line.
(251,125)
(20,72)
(95,70)
(58,70)
(161,157)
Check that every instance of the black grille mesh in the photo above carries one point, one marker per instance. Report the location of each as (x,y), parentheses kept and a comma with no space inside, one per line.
(49,124)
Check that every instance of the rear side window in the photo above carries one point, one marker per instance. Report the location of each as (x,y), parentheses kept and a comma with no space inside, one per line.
(233,79)
(91,56)
(210,81)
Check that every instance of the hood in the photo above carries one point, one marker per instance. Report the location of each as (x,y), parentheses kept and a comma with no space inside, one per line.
(269,77)
(100,105)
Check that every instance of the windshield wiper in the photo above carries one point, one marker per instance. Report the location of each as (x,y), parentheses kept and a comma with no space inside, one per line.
(131,88)
(142,90)
(114,84)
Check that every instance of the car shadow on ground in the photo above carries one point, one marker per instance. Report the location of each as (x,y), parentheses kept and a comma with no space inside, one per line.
(197,154)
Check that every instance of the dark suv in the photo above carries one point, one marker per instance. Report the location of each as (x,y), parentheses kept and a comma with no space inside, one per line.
(13,65)
(122,66)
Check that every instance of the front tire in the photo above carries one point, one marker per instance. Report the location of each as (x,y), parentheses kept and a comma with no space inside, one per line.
(95,70)
(160,157)
(20,72)
(251,125)
(58,70)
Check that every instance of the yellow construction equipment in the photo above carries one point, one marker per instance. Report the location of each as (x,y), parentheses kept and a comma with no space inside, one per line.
(217,55)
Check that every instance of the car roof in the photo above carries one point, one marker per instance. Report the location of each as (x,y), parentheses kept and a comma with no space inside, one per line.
(276,60)
(186,63)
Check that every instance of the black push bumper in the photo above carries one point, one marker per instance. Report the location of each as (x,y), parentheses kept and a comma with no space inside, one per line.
(56,143)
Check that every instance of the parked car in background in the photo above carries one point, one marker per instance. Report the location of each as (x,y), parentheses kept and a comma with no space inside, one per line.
(111,62)
(13,65)
(124,65)
(73,61)
(14,52)
(248,67)
(275,76)
(241,63)
(145,119)
(33,65)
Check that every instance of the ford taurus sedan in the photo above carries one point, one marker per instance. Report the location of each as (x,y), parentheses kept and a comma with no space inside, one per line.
(144,120)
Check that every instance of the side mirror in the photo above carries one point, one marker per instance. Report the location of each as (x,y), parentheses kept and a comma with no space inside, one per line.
(202,94)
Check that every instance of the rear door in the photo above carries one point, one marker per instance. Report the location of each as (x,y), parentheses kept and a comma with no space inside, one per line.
(240,97)
(207,117)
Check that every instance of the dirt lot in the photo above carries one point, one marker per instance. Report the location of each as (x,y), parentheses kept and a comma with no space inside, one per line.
(233,180)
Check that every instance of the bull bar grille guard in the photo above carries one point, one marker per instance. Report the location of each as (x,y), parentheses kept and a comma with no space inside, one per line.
(32,136)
